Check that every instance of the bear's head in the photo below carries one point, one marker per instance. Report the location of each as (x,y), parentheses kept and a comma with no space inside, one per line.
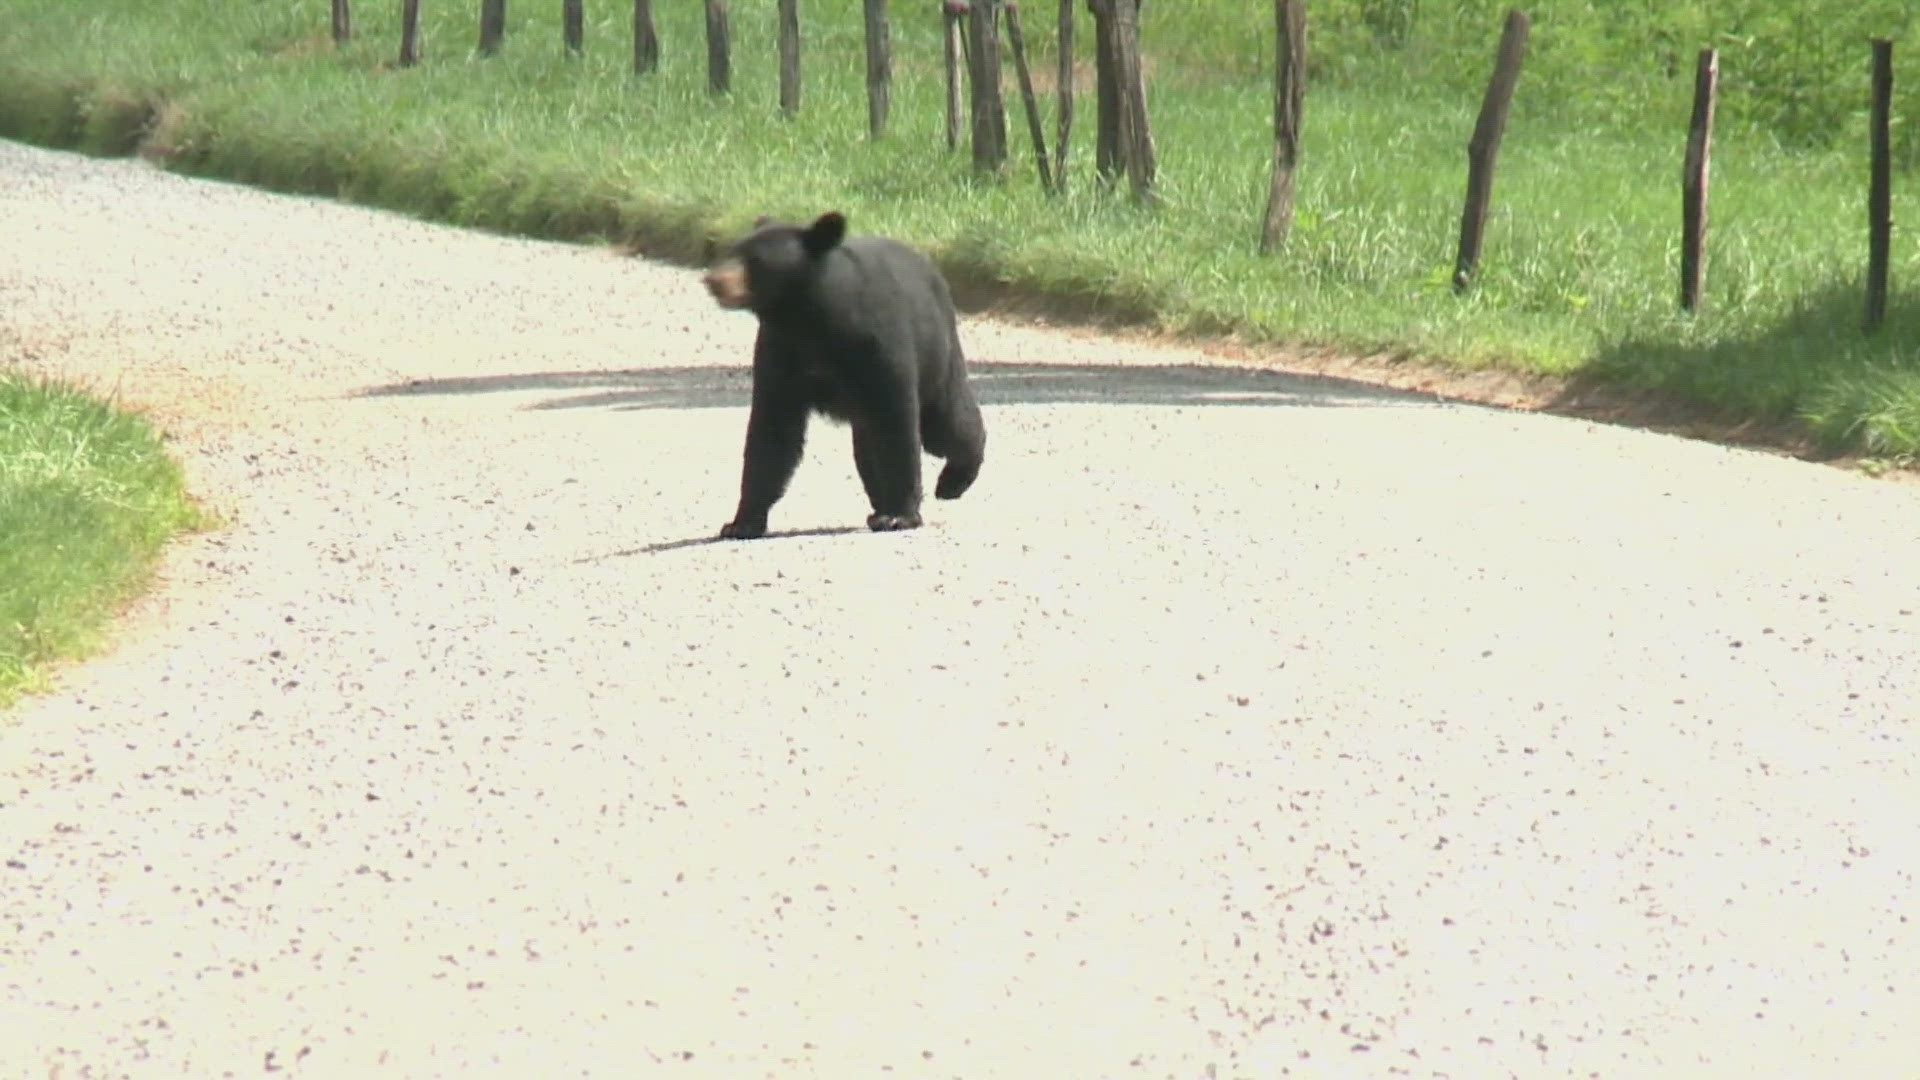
(774,264)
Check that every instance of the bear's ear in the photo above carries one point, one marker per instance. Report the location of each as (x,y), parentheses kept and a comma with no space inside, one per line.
(761,221)
(825,233)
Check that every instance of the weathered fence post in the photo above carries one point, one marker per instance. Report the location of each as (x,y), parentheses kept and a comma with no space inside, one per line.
(573,33)
(951,12)
(646,39)
(1879,185)
(719,48)
(1289,92)
(789,57)
(1063,99)
(1693,180)
(1039,137)
(493,25)
(879,68)
(342,22)
(1106,98)
(1123,141)
(1136,134)
(409,32)
(1484,147)
(989,111)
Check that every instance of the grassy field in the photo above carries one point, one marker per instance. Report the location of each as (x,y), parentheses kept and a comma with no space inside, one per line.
(87,497)
(1581,256)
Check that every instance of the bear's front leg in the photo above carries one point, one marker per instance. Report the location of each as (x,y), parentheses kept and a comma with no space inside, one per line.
(776,434)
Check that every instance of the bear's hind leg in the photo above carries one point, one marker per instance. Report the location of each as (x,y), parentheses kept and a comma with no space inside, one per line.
(891,477)
(956,432)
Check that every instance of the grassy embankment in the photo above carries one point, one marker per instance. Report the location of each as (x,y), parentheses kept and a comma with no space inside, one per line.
(1581,255)
(88,495)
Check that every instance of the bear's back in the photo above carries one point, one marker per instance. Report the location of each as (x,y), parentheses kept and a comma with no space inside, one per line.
(897,275)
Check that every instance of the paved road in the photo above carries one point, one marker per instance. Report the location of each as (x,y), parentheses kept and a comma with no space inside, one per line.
(1234,725)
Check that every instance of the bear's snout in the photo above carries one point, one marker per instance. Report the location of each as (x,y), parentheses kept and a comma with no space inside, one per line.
(728,284)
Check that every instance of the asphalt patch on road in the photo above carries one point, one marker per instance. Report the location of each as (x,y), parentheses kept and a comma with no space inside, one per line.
(708,387)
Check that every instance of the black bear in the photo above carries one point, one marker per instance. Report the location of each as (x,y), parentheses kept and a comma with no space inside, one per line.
(860,330)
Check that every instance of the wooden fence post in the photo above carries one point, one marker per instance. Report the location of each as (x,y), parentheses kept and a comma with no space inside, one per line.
(646,39)
(789,57)
(493,25)
(1694,178)
(1063,96)
(573,32)
(1484,147)
(1879,185)
(342,22)
(1289,92)
(1136,134)
(409,32)
(879,68)
(1106,109)
(951,12)
(719,48)
(989,111)
(1018,41)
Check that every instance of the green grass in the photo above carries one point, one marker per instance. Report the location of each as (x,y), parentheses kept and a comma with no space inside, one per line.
(88,495)
(1581,255)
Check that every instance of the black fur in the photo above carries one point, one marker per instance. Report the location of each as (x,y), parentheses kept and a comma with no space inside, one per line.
(860,330)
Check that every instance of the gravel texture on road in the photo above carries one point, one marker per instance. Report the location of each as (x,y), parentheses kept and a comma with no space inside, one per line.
(1235,724)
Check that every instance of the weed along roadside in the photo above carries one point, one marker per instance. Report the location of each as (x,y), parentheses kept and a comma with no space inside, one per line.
(661,131)
(88,497)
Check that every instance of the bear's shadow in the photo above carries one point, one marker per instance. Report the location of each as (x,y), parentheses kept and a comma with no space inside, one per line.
(718,387)
(711,538)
